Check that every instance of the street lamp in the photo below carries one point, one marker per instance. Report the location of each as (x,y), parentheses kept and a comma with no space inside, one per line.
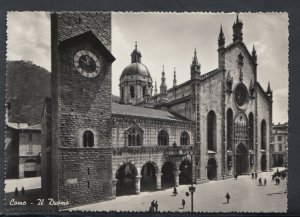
(192,189)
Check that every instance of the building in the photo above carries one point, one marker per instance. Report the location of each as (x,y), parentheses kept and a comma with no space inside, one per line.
(279,145)
(95,149)
(23,150)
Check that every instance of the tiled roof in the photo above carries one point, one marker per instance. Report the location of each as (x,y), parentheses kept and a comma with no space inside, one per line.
(137,111)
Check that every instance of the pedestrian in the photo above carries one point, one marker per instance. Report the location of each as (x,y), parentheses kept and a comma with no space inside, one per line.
(23,191)
(16,192)
(235,176)
(259,182)
(265,182)
(183,203)
(252,175)
(227,196)
(255,174)
(156,206)
(278,181)
(151,209)
(175,191)
(152,204)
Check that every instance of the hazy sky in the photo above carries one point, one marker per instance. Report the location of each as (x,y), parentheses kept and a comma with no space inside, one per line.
(169,39)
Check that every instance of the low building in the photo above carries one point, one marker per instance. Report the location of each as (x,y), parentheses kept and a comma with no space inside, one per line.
(23,150)
(279,145)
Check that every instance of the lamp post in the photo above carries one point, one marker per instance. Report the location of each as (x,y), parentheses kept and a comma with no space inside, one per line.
(192,188)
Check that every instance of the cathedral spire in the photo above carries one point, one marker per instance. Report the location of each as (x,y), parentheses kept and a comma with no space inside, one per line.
(174,79)
(195,66)
(136,55)
(221,39)
(254,55)
(163,86)
(237,30)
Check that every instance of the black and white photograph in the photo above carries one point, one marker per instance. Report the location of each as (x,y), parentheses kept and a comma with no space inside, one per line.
(147,112)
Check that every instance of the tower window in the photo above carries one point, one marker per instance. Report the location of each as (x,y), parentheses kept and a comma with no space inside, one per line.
(132,91)
(88,139)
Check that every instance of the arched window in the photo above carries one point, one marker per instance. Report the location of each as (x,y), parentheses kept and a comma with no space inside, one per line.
(251,130)
(211,131)
(229,128)
(185,138)
(88,139)
(122,94)
(135,135)
(144,91)
(132,91)
(163,138)
(263,134)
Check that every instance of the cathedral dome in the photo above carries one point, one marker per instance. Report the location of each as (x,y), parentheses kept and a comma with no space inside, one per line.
(135,68)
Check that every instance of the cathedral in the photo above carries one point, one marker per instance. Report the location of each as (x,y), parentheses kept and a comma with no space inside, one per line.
(214,126)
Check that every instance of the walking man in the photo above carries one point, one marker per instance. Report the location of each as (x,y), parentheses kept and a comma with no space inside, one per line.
(175,191)
(255,175)
(156,206)
(265,182)
(183,203)
(259,182)
(23,191)
(227,196)
(16,192)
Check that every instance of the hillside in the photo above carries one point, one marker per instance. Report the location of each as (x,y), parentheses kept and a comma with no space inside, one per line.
(27,86)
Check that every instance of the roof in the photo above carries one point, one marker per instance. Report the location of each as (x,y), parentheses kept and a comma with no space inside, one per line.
(143,112)
(90,35)
(135,69)
(23,126)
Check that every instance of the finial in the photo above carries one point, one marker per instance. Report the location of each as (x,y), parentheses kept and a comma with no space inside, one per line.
(221,29)
(136,45)
(237,18)
(163,68)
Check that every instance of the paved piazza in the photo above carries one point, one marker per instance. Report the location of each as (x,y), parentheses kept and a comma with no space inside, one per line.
(246,196)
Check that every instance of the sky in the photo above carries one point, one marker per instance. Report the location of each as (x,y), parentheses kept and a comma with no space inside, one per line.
(169,39)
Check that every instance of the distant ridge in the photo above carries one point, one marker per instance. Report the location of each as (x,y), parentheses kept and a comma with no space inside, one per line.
(27,85)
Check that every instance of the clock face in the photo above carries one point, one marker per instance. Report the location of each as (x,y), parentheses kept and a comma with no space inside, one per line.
(241,95)
(86,63)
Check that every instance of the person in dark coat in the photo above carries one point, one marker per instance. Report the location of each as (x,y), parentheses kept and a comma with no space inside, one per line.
(255,174)
(152,204)
(235,176)
(183,203)
(156,206)
(175,191)
(227,196)
(259,182)
(23,191)
(252,175)
(16,192)
(265,182)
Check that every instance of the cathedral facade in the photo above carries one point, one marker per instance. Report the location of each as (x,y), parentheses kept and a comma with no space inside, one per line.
(142,141)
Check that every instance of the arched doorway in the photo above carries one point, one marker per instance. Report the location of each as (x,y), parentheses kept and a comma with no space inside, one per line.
(241,160)
(148,181)
(212,169)
(185,175)
(126,179)
(167,178)
(263,162)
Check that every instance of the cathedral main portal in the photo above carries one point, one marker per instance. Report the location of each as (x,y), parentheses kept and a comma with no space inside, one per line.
(241,159)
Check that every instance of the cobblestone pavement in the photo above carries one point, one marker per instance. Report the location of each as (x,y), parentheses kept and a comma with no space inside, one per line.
(246,196)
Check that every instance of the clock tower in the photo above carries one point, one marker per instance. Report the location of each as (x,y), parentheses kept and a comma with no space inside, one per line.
(81,150)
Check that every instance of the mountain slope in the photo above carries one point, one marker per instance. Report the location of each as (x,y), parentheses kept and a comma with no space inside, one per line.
(27,85)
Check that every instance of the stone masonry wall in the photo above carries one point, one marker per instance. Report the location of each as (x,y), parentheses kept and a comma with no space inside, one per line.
(79,104)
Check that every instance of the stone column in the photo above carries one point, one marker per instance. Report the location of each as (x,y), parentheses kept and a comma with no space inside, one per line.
(176,177)
(138,184)
(158,181)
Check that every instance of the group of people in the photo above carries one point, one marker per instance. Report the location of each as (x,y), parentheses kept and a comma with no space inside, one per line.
(153,206)
(254,175)
(260,182)
(17,191)
(277,176)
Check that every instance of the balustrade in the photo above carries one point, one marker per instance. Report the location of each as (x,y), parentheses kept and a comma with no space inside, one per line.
(135,150)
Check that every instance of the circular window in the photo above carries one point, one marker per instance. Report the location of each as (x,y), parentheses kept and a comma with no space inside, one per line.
(241,95)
